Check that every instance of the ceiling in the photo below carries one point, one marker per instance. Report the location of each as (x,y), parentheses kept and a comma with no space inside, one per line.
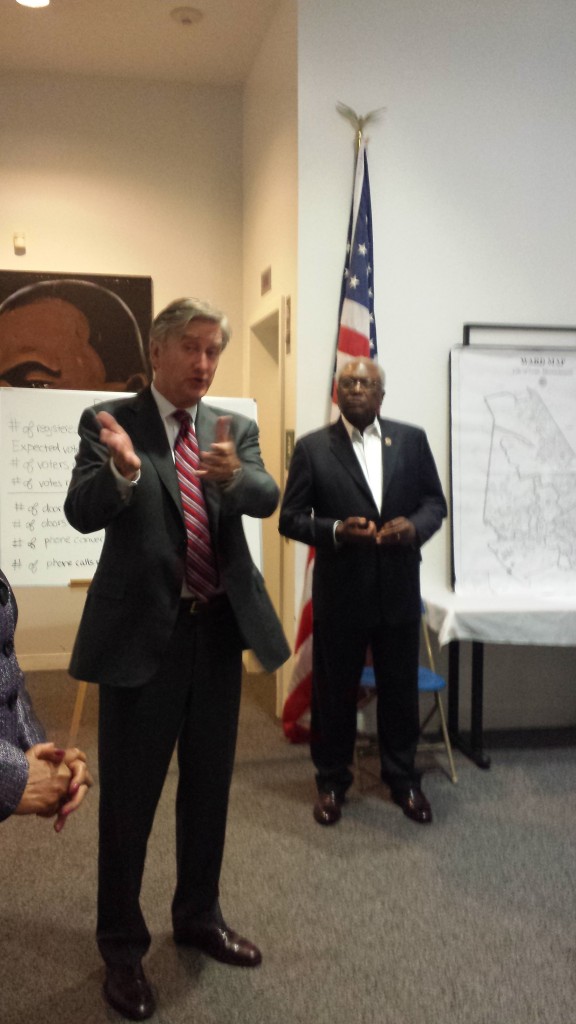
(135,38)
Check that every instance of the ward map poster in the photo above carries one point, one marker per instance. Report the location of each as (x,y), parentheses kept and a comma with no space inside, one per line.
(513,417)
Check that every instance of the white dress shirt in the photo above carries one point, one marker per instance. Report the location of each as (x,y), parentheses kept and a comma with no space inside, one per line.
(368,450)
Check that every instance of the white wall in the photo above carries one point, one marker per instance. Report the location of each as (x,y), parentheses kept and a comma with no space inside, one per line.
(474,206)
(270,146)
(120,177)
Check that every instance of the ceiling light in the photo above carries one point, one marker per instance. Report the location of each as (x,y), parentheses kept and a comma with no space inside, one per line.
(33,3)
(186,15)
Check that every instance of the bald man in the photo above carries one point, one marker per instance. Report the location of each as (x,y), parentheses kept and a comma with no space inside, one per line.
(365,493)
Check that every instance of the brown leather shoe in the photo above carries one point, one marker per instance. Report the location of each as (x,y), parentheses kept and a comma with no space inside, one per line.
(327,809)
(127,990)
(414,804)
(219,941)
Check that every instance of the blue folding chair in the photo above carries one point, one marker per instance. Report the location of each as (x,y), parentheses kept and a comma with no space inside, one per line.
(429,683)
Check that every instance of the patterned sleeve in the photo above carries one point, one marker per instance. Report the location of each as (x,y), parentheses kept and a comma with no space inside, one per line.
(13,778)
(19,727)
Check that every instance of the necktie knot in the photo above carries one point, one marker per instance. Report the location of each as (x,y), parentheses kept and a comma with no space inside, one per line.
(183,418)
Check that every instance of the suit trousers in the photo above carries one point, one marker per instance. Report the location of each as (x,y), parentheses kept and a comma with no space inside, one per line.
(193,702)
(339,655)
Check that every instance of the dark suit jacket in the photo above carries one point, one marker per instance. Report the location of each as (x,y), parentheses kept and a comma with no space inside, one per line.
(326,483)
(133,600)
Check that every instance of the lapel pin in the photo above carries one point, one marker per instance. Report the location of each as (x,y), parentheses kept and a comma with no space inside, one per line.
(388,442)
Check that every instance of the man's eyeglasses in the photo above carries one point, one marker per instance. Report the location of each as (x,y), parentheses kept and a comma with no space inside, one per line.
(365,383)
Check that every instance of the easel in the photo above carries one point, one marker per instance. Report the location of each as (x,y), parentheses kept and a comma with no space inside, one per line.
(82,687)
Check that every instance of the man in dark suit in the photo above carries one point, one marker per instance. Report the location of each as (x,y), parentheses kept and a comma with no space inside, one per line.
(167,658)
(366,494)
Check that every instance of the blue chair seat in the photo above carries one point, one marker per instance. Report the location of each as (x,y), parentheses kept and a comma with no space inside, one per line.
(428,681)
(367,678)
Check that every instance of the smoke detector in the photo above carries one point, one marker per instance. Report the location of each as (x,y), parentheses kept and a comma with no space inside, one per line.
(187,15)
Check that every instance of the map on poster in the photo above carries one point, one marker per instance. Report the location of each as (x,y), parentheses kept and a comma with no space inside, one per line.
(514,470)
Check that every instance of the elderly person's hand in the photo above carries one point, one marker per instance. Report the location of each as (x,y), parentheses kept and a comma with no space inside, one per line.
(58,781)
(221,462)
(80,782)
(356,530)
(399,531)
(119,445)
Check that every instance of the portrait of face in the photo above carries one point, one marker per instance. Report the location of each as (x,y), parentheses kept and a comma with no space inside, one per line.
(70,334)
(46,345)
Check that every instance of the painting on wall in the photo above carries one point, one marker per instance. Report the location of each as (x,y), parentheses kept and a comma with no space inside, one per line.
(74,331)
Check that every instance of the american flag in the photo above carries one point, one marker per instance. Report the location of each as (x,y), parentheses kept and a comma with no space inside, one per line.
(356,322)
(356,338)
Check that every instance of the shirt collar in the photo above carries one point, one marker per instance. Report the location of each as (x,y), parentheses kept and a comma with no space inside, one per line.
(354,433)
(166,408)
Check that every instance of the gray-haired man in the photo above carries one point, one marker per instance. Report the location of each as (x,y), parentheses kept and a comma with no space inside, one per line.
(168,658)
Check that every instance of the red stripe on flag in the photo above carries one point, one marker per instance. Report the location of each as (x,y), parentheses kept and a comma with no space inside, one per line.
(298,700)
(296,705)
(305,625)
(352,343)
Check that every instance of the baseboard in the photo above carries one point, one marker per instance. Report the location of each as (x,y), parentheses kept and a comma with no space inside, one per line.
(559,736)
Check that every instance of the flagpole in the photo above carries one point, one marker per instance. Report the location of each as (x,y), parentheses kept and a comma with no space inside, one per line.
(356,338)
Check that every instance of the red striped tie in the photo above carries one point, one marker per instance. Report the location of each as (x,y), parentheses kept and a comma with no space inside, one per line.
(201,571)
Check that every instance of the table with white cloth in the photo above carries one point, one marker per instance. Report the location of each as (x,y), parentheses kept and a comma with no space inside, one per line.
(486,618)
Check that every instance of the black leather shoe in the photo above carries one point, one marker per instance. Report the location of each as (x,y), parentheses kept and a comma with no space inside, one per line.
(414,804)
(327,809)
(127,990)
(219,941)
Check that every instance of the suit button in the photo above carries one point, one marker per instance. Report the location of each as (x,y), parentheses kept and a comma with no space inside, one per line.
(8,647)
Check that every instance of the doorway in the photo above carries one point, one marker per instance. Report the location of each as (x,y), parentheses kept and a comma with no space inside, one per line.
(265,385)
